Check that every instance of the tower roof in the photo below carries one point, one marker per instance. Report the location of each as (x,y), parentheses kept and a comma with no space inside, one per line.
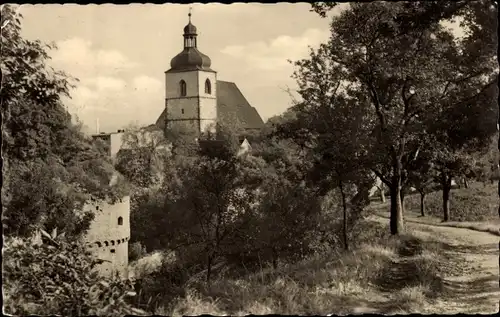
(190,58)
(189,29)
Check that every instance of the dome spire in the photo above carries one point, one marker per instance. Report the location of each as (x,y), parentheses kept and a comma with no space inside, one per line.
(190,58)
(190,33)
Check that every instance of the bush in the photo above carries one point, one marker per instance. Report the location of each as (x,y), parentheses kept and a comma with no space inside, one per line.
(136,251)
(51,275)
(476,203)
(165,284)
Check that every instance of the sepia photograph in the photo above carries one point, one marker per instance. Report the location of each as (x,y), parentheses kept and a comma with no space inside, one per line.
(185,159)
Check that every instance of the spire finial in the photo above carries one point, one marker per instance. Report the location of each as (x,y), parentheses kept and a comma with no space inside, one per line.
(189,14)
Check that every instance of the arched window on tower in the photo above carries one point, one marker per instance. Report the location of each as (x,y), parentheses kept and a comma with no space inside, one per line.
(208,87)
(182,86)
(120,221)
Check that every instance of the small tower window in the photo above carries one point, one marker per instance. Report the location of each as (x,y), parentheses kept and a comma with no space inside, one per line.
(106,243)
(182,111)
(98,244)
(120,221)
(182,85)
(208,86)
(112,250)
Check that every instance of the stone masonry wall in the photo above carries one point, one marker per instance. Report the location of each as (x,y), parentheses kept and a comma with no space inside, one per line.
(109,234)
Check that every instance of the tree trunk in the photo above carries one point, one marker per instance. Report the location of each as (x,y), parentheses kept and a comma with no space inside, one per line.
(382,194)
(396,222)
(422,204)
(344,209)
(209,268)
(402,193)
(446,183)
(466,183)
(275,258)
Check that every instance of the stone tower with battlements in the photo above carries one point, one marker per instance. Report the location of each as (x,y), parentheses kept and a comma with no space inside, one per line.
(109,234)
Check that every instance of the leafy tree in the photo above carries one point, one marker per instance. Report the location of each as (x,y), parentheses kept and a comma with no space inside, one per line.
(402,71)
(468,108)
(465,135)
(280,229)
(487,165)
(422,176)
(332,126)
(142,157)
(41,145)
(212,203)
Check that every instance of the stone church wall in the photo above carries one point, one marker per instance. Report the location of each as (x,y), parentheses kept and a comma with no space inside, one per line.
(172,87)
(109,234)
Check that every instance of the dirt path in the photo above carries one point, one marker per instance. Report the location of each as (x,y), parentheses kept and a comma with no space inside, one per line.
(471,281)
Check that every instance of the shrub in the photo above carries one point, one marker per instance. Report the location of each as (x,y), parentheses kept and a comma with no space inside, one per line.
(52,275)
(136,251)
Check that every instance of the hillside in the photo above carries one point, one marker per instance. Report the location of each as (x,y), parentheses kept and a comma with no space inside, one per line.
(432,269)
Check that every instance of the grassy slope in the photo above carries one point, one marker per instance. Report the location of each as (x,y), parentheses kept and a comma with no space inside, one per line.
(477,203)
(387,275)
(474,208)
(428,270)
(418,272)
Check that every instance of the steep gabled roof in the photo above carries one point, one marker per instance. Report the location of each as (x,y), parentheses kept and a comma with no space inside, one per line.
(231,104)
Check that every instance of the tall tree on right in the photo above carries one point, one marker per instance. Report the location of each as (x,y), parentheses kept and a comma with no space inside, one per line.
(403,68)
(465,121)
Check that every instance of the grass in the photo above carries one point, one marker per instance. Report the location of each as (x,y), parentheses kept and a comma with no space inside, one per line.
(340,283)
(381,274)
(474,208)
(477,203)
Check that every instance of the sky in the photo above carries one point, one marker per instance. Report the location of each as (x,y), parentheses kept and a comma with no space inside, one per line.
(119,53)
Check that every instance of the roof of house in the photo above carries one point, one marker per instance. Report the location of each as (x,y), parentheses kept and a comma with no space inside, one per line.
(231,105)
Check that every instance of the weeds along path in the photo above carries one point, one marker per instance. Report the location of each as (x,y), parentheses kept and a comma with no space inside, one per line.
(470,272)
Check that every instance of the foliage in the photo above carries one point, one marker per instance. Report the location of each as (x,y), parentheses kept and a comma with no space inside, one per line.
(486,168)
(136,251)
(50,167)
(142,157)
(52,275)
(212,206)
(403,65)
(286,217)
(322,8)
(308,287)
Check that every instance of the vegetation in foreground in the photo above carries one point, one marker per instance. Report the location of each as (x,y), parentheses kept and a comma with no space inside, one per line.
(49,274)
(338,282)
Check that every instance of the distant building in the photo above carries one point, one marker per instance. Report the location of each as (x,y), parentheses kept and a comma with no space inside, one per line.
(195,99)
(113,141)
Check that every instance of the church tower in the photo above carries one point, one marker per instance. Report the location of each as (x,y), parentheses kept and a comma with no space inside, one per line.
(191,87)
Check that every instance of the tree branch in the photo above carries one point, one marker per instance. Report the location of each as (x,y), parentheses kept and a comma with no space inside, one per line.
(381,176)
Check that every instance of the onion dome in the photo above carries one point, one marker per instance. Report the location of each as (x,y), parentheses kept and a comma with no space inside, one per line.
(190,58)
